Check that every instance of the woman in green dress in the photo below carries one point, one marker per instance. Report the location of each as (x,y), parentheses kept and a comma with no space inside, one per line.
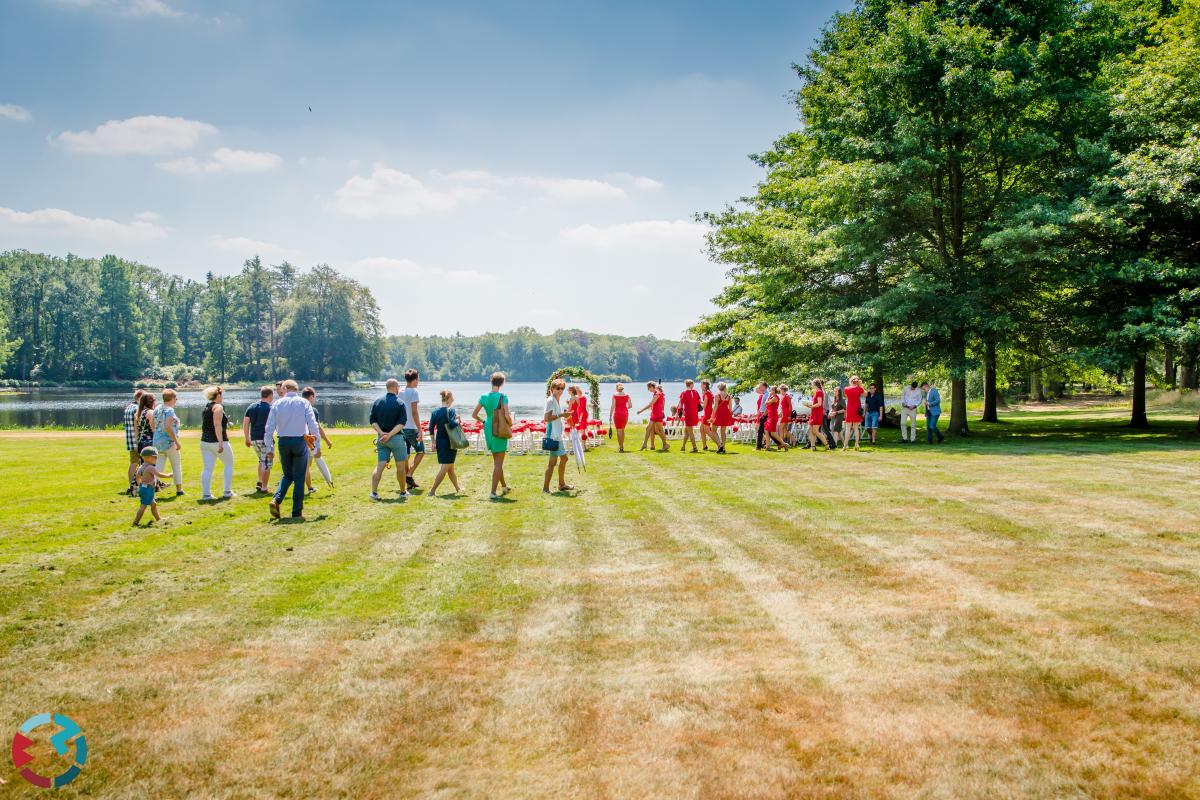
(491,402)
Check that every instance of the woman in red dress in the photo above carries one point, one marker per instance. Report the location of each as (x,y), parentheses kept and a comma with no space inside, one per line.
(618,414)
(854,417)
(706,414)
(581,410)
(689,409)
(785,414)
(658,415)
(772,426)
(724,416)
(817,415)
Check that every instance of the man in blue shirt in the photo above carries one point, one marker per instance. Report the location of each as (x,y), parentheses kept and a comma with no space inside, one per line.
(933,410)
(388,416)
(292,418)
(254,428)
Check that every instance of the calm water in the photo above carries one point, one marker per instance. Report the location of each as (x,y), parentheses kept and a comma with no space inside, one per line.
(347,406)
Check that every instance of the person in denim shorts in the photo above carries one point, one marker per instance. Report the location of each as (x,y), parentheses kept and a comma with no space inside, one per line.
(412,426)
(254,426)
(387,419)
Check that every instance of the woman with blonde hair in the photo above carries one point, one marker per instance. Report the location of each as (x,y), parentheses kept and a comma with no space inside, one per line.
(495,403)
(816,415)
(724,416)
(166,437)
(772,425)
(555,443)
(854,415)
(618,414)
(310,394)
(440,422)
(658,416)
(214,443)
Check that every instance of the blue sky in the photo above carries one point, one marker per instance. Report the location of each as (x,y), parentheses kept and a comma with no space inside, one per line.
(479,165)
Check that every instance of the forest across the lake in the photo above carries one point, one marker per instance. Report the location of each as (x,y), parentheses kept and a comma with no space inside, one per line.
(83,320)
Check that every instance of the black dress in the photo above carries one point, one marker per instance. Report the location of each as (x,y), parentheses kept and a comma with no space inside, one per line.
(438,420)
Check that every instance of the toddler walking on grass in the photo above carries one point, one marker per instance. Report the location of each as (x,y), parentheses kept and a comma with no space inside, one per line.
(147,476)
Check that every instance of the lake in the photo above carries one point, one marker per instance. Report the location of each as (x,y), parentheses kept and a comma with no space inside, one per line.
(337,404)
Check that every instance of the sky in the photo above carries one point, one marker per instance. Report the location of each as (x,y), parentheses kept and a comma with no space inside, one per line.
(480,166)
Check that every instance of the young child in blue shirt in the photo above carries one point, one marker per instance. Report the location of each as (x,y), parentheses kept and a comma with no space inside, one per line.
(147,478)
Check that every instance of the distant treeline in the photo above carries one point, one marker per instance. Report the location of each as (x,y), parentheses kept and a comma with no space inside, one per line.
(82,319)
(71,319)
(526,355)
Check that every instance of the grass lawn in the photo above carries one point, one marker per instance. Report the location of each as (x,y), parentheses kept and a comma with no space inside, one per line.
(1013,616)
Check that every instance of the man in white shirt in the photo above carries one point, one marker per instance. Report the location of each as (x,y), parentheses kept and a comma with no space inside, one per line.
(291,419)
(910,398)
(412,426)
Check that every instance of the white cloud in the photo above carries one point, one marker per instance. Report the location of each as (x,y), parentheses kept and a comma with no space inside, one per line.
(146,134)
(14,112)
(389,192)
(647,233)
(560,188)
(224,160)
(151,8)
(388,269)
(640,182)
(244,248)
(133,8)
(63,224)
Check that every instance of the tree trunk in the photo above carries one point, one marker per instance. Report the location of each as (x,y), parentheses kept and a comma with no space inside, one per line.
(1169,364)
(989,382)
(958,386)
(1138,419)
(1187,368)
(1035,386)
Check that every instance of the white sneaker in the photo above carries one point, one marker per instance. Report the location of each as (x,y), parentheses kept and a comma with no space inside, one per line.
(374,495)
(207,497)
(228,495)
(404,495)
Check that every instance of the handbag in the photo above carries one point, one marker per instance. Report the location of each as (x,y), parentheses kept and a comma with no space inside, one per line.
(551,445)
(501,422)
(454,432)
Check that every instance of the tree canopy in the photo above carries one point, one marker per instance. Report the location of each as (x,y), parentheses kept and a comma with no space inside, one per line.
(972,183)
(86,319)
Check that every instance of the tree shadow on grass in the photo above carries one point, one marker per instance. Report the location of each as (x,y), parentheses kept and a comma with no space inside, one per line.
(1069,432)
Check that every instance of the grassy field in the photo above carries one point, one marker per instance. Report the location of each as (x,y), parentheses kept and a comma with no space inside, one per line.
(1013,616)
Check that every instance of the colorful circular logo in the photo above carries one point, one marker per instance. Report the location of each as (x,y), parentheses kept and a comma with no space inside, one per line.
(62,741)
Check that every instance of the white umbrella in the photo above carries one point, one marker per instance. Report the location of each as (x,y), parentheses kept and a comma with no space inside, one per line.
(577,447)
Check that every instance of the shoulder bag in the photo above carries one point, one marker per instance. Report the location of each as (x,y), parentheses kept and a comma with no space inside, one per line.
(454,432)
(501,421)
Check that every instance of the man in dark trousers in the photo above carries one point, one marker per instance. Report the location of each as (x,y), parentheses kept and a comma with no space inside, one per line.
(291,419)
(761,391)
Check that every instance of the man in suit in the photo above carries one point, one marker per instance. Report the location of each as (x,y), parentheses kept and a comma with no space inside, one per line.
(933,410)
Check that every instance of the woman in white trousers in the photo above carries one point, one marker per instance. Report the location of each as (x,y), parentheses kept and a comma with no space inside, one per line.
(214,443)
